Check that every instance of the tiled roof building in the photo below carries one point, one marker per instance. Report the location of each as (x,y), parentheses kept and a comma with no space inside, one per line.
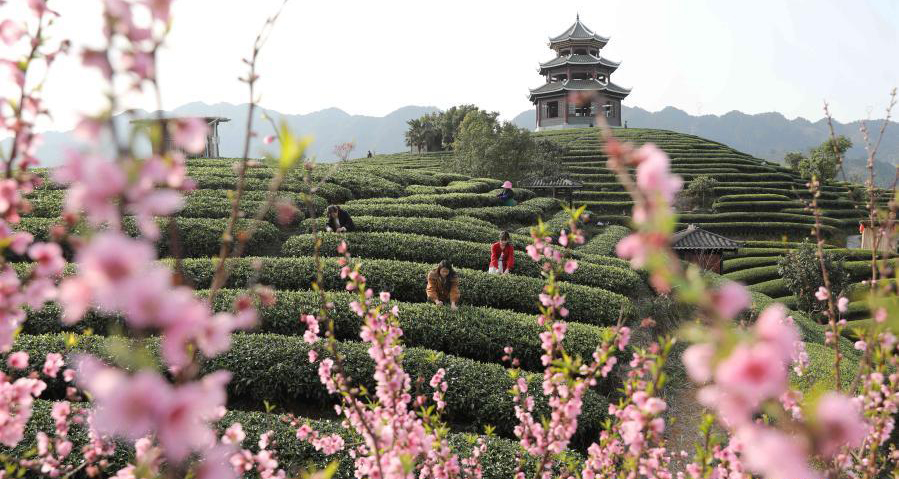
(578,68)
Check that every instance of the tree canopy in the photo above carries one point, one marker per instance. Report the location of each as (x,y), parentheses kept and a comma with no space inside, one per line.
(486,147)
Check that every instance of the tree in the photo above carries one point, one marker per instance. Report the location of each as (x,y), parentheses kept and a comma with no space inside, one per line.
(801,271)
(450,121)
(701,191)
(437,131)
(485,147)
(825,159)
(423,133)
(792,160)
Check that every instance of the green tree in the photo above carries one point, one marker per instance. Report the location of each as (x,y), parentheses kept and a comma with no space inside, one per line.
(450,121)
(792,160)
(424,133)
(701,191)
(801,271)
(825,159)
(486,147)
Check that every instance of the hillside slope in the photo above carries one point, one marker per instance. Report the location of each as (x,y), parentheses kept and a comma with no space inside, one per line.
(755,199)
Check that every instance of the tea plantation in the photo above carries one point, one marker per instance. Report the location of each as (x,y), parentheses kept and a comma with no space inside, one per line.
(410,214)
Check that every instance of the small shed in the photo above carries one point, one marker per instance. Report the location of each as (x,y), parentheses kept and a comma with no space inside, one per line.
(168,144)
(553,186)
(702,247)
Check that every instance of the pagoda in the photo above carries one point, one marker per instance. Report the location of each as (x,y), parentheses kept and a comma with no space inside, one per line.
(577,68)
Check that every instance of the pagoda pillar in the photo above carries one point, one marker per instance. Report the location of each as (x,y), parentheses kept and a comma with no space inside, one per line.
(565,104)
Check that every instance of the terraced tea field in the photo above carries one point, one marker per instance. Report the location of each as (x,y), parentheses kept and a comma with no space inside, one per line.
(755,199)
(409,215)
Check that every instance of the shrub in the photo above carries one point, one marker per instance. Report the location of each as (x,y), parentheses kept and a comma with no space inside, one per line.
(701,191)
(196,236)
(472,332)
(465,254)
(406,280)
(755,275)
(275,368)
(436,227)
(414,210)
(498,462)
(801,272)
(604,243)
(525,212)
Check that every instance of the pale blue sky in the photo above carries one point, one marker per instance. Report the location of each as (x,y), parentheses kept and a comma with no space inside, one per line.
(366,57)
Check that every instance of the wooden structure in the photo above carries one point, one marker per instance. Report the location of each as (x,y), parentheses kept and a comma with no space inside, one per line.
(168,144)
(886,243)
(578,82)
(702,247)
(552,186)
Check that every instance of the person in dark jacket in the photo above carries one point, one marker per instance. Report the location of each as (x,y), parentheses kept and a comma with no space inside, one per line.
(339,221)
(502,255)
(443,285)
(507,196)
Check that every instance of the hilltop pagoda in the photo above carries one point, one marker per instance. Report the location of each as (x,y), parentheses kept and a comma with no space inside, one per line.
(577,68)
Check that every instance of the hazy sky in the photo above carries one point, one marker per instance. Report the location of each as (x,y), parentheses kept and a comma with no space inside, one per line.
(702,56)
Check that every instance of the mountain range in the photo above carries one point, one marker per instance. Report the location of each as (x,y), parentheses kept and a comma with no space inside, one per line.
(765,135)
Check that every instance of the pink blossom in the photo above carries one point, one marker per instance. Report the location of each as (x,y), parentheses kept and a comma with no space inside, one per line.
(19,242)
(634,248)
(75,297)
(97,59)
(269,139)
(773,328)
(772,453)
(234,434)
(189,133)
(730,299)
(385,296)
(843,304)
(10,32)
(570,266)
(17,360)
(839,424)
(822,294)
(880,316)
(697,359)
(861,345)
(52,364)
(624,337)
(754,372)
(653,175)
(48,257)
(313,355)
(141,63)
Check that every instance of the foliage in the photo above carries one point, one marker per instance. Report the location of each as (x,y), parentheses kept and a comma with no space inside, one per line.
(437,131)
(486,147)
(801,272)
(825,159)
(792,159)
(701,190)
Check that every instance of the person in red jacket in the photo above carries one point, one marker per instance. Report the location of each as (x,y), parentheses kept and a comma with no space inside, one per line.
(502,255)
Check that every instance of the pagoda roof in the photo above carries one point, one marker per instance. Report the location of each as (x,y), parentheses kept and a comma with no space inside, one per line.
(695,238)
(580,85)
(562,60)
(579,32)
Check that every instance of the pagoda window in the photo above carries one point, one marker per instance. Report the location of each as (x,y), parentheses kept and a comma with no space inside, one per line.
(583,110)
(601,77)
(580,51)
(595,53)
(560,77)
(609,107)
(580,76)
(552,109)
(565,53)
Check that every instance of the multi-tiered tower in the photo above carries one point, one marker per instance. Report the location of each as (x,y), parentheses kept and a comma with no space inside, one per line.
(578,67)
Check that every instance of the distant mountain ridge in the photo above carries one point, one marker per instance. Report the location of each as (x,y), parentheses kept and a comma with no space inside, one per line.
(764,135)
(328,127)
